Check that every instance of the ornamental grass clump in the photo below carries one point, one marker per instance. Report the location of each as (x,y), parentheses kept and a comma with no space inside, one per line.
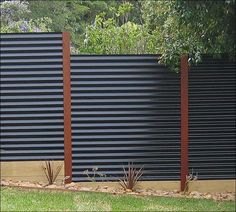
(131,177)
(51,172)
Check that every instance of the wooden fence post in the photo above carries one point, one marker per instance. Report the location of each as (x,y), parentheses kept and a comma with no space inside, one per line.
(67,106)
(184,120)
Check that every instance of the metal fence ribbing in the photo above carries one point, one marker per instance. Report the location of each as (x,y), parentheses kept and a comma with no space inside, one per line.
(212,109)
(125,108)
(115,109)
(31,97)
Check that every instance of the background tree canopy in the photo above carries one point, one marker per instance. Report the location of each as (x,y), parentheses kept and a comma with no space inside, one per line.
(170,28)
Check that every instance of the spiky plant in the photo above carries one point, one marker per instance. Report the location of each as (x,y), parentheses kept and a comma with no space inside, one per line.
(51,172)
(131,177)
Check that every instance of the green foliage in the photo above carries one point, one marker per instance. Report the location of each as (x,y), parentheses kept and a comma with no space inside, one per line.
(57,11)
(13,11)
(71,15)
(170,28)
(37,25)
(106,37)
(116,34)
(193,27)
(14,18)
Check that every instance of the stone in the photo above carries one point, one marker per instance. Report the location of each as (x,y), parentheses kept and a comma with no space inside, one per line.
(150,190)
(52,186)
(85,189)
(97,188)
(5,183)
(27,184)
(226,196)
(231,198)
(208,196)
(148,193)
(77,186)
(193,193)
(105,187)
(72,188)
(40,183)
(133,193)
(103,190)
(139,190)
(71,184)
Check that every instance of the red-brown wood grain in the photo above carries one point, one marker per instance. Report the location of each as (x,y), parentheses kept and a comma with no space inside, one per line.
(184,119)
(67,106)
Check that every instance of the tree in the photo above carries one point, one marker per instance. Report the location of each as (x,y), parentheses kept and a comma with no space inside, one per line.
(193,27)
(116,34)
(14,18)
(71,15)
(166,27)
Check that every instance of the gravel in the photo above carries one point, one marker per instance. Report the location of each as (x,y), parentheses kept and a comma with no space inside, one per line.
(228,196)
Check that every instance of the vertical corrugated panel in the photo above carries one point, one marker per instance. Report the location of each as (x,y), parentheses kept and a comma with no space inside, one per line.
(31,96)
(212,119)
(124,109)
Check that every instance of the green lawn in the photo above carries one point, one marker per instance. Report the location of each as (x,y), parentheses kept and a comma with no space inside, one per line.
(34,200)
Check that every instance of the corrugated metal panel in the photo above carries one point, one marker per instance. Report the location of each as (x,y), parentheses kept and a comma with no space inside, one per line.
(31,96)
(125,108)
(212,137)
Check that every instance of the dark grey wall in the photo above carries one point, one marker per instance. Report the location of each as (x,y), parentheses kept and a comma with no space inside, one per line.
(31,96)
(125,109)
(212,137)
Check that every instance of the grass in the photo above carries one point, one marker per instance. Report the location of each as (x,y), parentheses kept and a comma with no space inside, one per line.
(13,199)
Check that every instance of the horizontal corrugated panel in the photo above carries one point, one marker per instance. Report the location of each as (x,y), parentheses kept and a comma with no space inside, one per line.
(125,108)
(212,137)
(31,97)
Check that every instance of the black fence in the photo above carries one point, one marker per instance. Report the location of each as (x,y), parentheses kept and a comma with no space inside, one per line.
(212,111)
(31,97)
(125,108)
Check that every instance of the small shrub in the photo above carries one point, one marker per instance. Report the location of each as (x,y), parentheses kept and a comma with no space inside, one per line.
(191,177)
(94,174)
(131,177)
(51,172)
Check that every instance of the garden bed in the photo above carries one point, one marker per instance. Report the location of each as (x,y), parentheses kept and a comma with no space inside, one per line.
(75,187)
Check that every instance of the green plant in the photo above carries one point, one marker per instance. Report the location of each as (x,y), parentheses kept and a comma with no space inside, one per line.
(131,177)
(15,18)
(51,172)
(116,35)
(190,27)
